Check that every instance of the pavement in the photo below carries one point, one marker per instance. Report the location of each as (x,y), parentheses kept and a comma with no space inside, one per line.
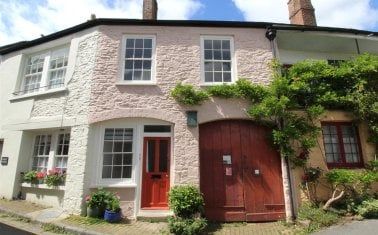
(364,227)
(38,219)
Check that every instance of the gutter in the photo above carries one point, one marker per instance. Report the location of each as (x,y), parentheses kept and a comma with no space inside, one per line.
(175,23)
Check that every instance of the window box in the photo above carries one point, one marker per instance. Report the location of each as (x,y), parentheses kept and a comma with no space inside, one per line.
(43,186)
(342,145)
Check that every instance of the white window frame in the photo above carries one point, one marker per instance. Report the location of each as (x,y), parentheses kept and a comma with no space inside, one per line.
(44,84)
(117,181)
(233,59)
(53,147)
(123,59)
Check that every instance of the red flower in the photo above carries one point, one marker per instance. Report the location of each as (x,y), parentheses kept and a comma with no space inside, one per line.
(87,198)
(54,171)
(41,175)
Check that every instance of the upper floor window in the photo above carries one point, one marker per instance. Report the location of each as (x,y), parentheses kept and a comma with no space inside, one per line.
(217,59)
(139,59)
(341,144)
(44,71)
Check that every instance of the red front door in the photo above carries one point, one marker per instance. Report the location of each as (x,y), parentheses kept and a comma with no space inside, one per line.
(155,178)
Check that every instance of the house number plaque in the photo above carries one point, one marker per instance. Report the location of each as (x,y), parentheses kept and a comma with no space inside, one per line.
(4,161)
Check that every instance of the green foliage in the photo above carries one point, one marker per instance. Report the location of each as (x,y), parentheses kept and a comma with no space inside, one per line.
(318,217)
(113,204)
(341,176)
(55,177)
(30,176)
(99,199)
(182,226)
(188,95)
(311,87)
(186,201)
(369,209)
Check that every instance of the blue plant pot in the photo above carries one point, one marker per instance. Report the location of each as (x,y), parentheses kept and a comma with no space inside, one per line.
(111,216)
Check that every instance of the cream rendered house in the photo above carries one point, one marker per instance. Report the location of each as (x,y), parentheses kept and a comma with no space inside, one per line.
(94,101)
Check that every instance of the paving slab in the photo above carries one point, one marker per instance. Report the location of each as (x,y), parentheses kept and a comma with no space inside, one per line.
(365,227)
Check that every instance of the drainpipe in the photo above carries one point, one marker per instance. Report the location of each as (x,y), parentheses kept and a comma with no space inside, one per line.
(286,173)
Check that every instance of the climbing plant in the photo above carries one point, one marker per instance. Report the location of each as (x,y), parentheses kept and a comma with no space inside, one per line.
(296,97)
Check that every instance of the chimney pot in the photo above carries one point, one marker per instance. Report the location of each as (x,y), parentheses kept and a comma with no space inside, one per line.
(150,8)
(301,12)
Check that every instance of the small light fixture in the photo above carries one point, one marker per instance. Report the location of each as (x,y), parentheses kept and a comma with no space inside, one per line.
(191,118)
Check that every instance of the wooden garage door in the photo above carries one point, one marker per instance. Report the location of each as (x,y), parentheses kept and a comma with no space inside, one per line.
(240,172)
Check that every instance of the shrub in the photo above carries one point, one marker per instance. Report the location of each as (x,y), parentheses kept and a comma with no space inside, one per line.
(186,94)
(99,199)
(318,217)
(30,176)
(186,201)
(181,226)
(368,209)
(113,204)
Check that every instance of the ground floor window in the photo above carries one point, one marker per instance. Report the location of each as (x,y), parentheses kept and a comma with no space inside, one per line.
(117,153)
(50,151)
(341,144)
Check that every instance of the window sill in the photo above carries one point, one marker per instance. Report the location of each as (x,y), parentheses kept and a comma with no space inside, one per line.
(114,185)
(39,93)
(43,186)
(122,83)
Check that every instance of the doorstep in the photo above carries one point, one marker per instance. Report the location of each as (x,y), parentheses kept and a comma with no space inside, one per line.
(156,215)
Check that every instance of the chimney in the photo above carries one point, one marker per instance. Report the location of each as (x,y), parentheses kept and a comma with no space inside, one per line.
(150,8)
(301,12)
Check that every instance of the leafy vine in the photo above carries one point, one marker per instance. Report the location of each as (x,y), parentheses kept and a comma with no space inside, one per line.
(298,96)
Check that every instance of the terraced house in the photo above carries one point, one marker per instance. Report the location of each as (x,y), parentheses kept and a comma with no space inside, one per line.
(94,101)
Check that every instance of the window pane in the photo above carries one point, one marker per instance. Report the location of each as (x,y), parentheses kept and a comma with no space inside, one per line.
(218,55)
(127,159)
(130,43)
(147,64)
(129,64)
(117,172)
(146,75)
(163,158)
(117,159)
(106,172)
(209,66)
(107,160)
(208,54)
(138,43)
(128,75)
(109,134)
(147,53)
(226,77)
(127,147)
(226,66)
(218,77)
(129,53)
(157,128)
(217,44)
(208,44)
(147,43)
(117,147)
(226,55)
(108,146)
(225,44)
(208,76)
(138,64)
(137,75)
(126,172)
(138,53)
(150,155)
(217,66)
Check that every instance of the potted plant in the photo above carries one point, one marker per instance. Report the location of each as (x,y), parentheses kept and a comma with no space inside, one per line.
(55,177)
(113,210)
(30,177)
(97,203)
